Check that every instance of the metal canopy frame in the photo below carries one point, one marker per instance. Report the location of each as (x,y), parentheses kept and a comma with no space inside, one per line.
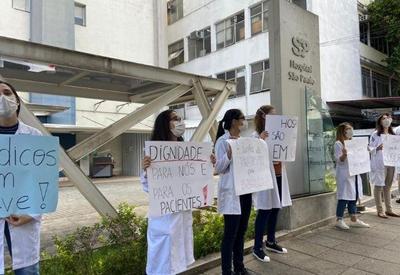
(45,69)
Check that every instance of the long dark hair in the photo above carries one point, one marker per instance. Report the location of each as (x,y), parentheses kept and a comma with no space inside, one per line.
(161,130)
(226,122)
(259,118)
(15,93)
(379,127)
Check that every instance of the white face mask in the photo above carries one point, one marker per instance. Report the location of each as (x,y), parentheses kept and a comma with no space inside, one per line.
(7,106)
(349,133)
(179,128)
(386,122)
(244,126)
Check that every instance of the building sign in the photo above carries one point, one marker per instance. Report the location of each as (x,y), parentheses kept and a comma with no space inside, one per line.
(300,71)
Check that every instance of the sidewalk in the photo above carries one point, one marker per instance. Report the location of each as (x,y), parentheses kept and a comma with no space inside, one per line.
(328,250)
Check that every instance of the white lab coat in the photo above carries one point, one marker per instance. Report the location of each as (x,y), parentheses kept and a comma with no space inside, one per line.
(346,184)
(25,239)
(228,202)
(377,174)
(169,241)
(269,199)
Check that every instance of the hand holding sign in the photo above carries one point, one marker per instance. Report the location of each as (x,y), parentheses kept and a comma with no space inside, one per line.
(357,155)
(28,175)
(283,136)
(391,150)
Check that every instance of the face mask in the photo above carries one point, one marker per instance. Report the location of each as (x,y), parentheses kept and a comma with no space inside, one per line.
(179,128)
(386,122)
(7,106)
(348,133)
(244,126)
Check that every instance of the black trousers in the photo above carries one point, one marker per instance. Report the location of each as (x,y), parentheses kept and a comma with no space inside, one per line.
(235,227)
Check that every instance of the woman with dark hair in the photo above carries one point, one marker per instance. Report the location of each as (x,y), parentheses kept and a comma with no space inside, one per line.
(169,237)
(269,202)
(381,175)
(22,232)
(349,188)
(236,209)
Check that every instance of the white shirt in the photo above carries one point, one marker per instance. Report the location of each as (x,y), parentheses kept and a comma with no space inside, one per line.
(25,239)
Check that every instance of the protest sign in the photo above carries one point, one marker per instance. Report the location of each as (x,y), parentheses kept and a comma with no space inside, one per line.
(251,165)
(28,174)
(180,176)
(282,136)
(358,155)
(391,150)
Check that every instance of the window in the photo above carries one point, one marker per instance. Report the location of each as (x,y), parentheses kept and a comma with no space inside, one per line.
(380,85)
(395,87)
(230,31)
(364,32)
(175,10)
(366,82)
(260,77)
(238,76)
(22,5)
(199,43)
(80,14)
(259,18)
(175,54)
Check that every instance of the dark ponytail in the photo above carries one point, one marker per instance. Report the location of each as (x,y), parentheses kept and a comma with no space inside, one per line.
(226,122)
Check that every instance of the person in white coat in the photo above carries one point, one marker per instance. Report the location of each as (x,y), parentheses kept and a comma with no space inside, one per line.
(397,175)
(349,188)
(169,237)
(269,202)
(21,232)
(236,209)
(381,175)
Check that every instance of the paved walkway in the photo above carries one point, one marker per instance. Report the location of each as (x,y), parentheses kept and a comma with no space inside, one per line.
(328,250)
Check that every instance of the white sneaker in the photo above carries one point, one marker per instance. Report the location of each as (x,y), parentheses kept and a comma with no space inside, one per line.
(359,223)
(342,225)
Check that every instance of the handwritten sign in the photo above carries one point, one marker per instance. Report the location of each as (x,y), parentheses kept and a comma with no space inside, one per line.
(180,176)
(391,150)
(251,170)
(282,136)
(28,174)
(358,155)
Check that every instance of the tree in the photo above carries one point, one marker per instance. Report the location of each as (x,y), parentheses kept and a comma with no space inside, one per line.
(385,20)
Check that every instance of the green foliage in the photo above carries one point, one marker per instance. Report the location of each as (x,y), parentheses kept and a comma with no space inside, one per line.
(385,20)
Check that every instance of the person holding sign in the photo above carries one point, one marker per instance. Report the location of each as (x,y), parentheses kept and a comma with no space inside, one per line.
(169,237)
(236,209)
(349,188)
(22,232)
(381,175)
(269,202)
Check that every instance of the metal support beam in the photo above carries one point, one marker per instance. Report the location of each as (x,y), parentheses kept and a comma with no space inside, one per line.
(74,78)
(206,122)
(74,173)
(97,140)
(204,106)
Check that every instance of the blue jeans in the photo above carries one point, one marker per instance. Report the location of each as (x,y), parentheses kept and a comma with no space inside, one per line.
(29,270)
(341,206)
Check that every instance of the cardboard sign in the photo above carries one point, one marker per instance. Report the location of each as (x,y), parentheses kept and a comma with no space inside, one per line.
(28,174)
(358,156)
(180,176)
(282,136)
(251,165)
(391,150)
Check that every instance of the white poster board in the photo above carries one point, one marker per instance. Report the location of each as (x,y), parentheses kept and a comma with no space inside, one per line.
(282,138)
(180,176)
(391,150)
(358,155)
(251,165)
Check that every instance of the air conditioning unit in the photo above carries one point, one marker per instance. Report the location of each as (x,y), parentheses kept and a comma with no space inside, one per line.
(202,52)
(363,17)
(196,35)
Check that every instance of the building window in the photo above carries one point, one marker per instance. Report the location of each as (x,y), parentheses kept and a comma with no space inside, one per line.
(175,10)
(199,43)
(175,54)
(22,5)
(260,77)
(80,14)
(380,85)
(259,18)
(237,75)
(364,32)
(230,30)
(366,82)
(394,87)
